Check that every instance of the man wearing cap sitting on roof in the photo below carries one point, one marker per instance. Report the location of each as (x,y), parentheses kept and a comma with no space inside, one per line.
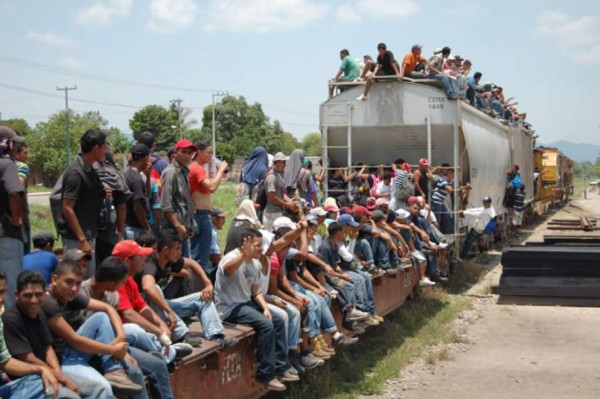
(278,201)
(435,67)
(480,222)
(175,200)
(414,64)
(42,258)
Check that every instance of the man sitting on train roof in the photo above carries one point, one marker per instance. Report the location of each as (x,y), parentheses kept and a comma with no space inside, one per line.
(367,68)
(386,66)
(435,66)
(414,64)
(349,69)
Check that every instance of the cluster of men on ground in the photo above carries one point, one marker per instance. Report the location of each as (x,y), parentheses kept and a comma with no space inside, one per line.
(142,258)
(452,71)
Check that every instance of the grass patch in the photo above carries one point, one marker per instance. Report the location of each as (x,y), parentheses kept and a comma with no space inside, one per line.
(40,218)
(38,189)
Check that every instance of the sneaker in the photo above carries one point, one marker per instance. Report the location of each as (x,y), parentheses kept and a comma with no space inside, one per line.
(276,385)
(193,340)
(345,341)
(119,381)
(293,370)
(182,350)
(443,245)
(296,362)
(324,346)
(371,322)
(311,357)
(378,318)
(362,97)
(310,363)
(333,294)
(356,329)
(379,272)
(426,282)
(288,377)
(392,270)
(321,354)
(355,315)
(227,343)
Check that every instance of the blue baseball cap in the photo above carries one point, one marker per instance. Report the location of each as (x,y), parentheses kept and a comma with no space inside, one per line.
(348,220)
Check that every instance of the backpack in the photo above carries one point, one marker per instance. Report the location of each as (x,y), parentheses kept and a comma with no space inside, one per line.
(259,193)
(401,194)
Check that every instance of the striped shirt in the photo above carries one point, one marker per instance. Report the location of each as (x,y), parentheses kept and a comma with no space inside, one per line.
(439,191)
(399,179)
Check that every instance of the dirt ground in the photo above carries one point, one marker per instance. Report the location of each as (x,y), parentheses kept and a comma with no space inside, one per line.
(506,351)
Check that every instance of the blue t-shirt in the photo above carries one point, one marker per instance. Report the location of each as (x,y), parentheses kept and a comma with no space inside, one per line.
(42,261)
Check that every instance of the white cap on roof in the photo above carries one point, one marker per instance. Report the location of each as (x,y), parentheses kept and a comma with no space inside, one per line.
(280,156)
(402,214)
(283,221)
(437,50)
(318,211)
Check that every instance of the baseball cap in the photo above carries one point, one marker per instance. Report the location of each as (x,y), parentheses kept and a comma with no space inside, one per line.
(140,150)
(283,221)
(424,161)
(75,255)
(185,143)
(128,248)
(331,208)
(6,132)
(280,156)
(43,237)
(382,201)
(217,211)
(487,199)
(421,200)
(458,58)
(437,50)
(360,210)
(318,211)
(347,220)
(312,219)
(329,201)
(377,216)
(371,203)
(412,200)
(402,214)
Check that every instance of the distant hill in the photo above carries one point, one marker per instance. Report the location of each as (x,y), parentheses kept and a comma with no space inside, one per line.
(579,152)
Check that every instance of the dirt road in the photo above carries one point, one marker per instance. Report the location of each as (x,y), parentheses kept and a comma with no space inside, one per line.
(513,351)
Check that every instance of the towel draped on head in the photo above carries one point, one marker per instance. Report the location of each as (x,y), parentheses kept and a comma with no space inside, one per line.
(292,168)
(255,166)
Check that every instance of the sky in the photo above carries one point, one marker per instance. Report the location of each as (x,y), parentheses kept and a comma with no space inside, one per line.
(125,54)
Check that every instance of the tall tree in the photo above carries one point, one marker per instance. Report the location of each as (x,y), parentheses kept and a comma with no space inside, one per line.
(158,120)
(312,144)
(20,126)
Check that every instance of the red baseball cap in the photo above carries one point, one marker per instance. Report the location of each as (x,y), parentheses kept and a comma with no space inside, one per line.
(128,248)
(412,200)
(371,203)
(185,143)
(361,210)
(423,161)
(331,208)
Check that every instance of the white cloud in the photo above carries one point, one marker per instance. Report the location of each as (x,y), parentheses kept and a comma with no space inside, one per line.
(167,16)
(50,38)
(71,63)
(387,9)
(101,13)
(262,16)
(580,35)
(347,14)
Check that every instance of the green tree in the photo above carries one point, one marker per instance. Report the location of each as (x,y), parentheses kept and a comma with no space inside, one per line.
(20,126)
(597,168)
(158,120)
(312,144)
(47,141)
(119,143)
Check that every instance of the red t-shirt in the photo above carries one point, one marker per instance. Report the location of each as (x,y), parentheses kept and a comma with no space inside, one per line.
(129,297)
(197,175)
(275,264)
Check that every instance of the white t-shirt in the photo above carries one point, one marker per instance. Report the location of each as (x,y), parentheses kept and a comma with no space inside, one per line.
(482,217)
(382,188)
(235,289)
(423,213)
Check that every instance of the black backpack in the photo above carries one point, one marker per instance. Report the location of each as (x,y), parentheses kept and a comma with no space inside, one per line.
(259,193)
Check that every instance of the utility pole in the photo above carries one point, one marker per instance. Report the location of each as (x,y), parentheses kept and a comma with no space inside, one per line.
(214,131)
(178,102)
(66,90)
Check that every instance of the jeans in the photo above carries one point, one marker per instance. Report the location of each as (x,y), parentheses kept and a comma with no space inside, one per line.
(70,243)
(31,387)
(444,217)
(11,261)
(498,108)
(271,350)
(472,236)
(180,328)
(200,244)
(448,83)
(365,299)
(156,371)
(346,295)
(363,250)
(186,250)
(320,317)
(291,315)
(131,233)
(190,305)
(139,338)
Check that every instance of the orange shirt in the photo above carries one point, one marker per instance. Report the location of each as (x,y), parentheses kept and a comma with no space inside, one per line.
(201,197)
(410,62)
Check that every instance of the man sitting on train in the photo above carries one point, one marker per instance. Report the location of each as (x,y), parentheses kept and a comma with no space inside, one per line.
(349,69)
(386,66)
(435,67)
(414,64)
(482,222)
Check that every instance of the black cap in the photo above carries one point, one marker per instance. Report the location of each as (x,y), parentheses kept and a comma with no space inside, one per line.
(6,132)
(42,237)
(377,216)
(487,199)
(140,150)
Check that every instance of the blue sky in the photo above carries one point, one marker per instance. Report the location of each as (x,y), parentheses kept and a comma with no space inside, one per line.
(546,54)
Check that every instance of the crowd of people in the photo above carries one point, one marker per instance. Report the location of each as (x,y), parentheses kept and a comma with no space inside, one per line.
(142,258)
(453,71)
